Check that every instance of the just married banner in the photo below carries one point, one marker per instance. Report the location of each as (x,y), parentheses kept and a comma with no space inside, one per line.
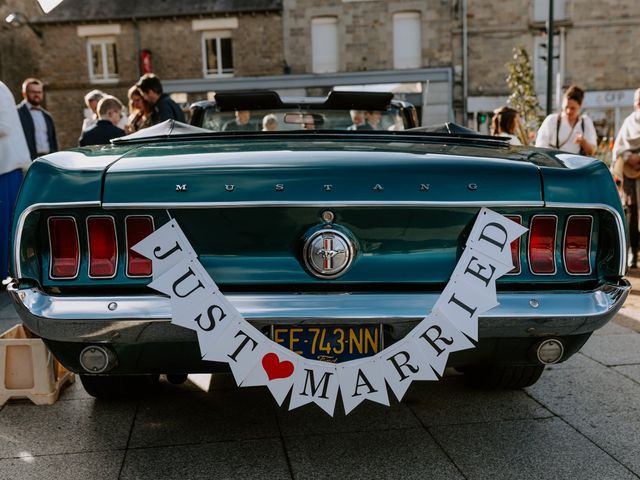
(254,359)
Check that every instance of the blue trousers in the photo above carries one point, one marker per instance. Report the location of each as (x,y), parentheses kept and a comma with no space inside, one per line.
(9,187)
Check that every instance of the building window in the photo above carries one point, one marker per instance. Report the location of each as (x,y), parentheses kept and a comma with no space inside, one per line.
(541,10)
(217,54)
(407,40)
(324,44)
(540,62)
(102,59)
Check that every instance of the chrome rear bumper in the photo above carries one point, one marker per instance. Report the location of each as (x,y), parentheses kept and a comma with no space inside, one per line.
(146,318)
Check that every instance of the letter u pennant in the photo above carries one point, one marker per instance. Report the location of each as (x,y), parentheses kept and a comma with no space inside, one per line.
(224,335)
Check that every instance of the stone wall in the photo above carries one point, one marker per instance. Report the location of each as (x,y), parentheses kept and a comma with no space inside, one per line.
(601,37)
(365,32)
(176,54)
(20,48)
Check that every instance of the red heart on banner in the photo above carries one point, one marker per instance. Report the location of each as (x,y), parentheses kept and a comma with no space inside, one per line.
(275,368)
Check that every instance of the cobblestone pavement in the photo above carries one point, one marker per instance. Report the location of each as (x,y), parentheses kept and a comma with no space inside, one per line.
(580,421)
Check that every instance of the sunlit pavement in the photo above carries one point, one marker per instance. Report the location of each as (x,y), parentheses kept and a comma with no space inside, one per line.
(580,421)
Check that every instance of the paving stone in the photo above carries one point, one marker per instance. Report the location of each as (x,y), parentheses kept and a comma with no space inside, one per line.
(577,360)
(613,349)
(451,401)
(64,427)
(612,328)
(526,449)
(595,389)
(405,454)
(368,416)
(187,416)
(223,460)
(7,323)
(616,433)
(631,371)
(77,466)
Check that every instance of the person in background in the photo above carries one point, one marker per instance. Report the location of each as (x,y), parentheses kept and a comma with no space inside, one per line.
(37,124)
(505,124)
(14,161)
(269,123)
(139,111)
(371,121)
(162,107)
(568,130)
(357,119)
(91,100)
(626,166)
(241,123)
(109,114)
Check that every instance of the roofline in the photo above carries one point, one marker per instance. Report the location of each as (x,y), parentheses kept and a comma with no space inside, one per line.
(43,20)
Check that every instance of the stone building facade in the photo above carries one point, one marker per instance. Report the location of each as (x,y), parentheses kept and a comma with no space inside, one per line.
(365,32)
(594,46)
(74,34)
(19,47)
(455,70)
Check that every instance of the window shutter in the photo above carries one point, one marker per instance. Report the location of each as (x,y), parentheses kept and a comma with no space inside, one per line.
(324,44)
(407,40)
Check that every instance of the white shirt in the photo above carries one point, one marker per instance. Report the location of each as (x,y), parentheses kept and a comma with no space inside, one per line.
(513,139)
(547,133)
(89,120)
(14,152)
(40,125)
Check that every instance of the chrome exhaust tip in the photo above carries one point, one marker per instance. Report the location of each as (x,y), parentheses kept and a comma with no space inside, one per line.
(549,351)
(97,359)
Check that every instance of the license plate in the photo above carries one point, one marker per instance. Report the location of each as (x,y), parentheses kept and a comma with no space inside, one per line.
(330,343)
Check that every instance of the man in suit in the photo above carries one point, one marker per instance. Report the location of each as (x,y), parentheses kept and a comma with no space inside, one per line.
(109,114)
(37,123)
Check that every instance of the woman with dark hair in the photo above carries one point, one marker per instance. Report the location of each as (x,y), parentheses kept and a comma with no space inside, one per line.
(139,111)
(569,130)
(505,124)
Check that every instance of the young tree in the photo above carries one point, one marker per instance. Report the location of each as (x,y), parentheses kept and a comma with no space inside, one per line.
(523,94)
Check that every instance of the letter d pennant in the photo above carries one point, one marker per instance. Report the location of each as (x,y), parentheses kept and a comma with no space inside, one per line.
(493,233)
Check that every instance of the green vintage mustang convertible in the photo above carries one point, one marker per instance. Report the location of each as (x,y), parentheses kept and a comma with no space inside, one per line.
(333,240)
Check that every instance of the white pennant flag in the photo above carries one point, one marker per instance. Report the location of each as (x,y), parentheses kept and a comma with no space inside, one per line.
(402,363)
(165,247)
(48,5)
(437,338)
(493,233)
(479,270)
(210,320)
(316,382)
(461,303)
(362,380)
(254,359)
(241,346)
(189,286)
(276,370)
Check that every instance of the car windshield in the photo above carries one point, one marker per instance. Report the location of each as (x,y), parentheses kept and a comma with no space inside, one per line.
(302,119)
